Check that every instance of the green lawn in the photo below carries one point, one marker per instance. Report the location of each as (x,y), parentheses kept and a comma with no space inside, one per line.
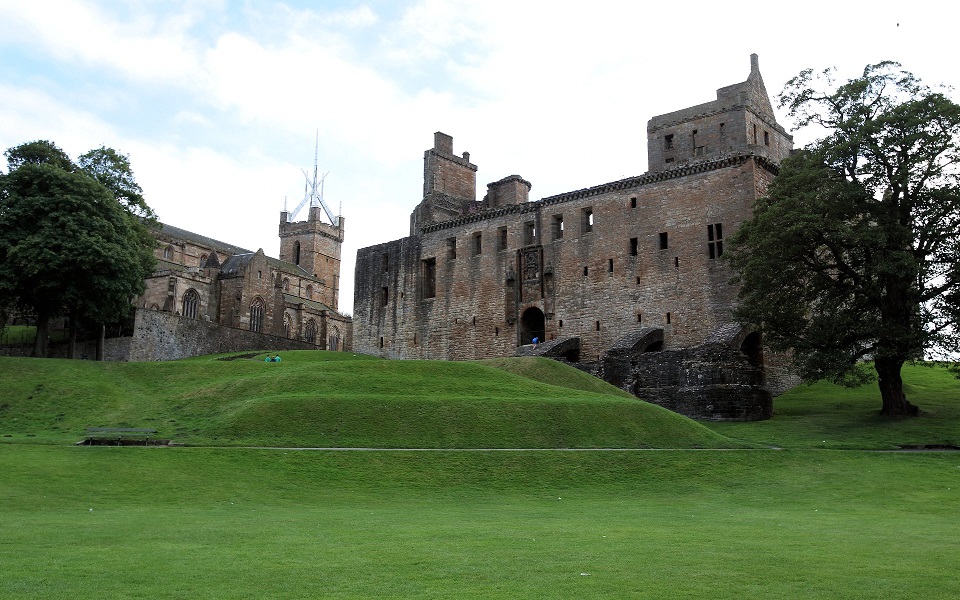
(231,522)
(241,523)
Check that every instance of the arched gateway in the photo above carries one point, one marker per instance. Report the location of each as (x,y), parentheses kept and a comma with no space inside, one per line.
(532,325)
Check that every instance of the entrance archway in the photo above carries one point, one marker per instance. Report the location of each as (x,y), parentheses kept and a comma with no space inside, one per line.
(532,325)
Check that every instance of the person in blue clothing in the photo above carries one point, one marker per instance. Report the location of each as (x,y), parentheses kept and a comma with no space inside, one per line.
(276,358)
(536,342)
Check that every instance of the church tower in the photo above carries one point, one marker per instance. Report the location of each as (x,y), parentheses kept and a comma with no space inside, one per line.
(314,246)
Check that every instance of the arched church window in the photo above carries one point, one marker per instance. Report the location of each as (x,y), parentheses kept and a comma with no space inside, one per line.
(286,285)
(168,253)
(296,253)
(310,333)
(203,261)
(333,343)
(191,304)
(309,292)
(287,325)
(256,315)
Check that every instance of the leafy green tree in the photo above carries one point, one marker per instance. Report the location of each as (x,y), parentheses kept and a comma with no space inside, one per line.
(853,254)
(67,245)
(113,170)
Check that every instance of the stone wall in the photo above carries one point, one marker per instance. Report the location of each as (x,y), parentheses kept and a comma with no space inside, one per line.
(163,336)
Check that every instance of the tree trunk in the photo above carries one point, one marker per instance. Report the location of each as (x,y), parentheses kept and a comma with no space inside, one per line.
(895,402)
(72,340)
(100,341)
(43,333)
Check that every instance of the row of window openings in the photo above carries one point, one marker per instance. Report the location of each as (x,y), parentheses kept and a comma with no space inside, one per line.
(698,150)
(714,235)
(496,330)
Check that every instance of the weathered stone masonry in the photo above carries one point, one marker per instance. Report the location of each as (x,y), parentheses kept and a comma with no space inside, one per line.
(594,271)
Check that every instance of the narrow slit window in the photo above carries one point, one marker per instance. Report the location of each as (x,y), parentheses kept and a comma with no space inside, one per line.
(502,244)
(633,201)
(477,244)
(663,240)
(609,265)
(634,246)
(451,248)
(586,271)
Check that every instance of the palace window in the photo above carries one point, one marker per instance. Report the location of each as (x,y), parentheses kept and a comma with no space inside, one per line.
(429,283)
(529,233)
(557,227)
(586,224)
(715,240)
(451,248)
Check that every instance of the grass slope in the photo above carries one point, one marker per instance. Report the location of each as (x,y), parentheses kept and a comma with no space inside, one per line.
(318,399)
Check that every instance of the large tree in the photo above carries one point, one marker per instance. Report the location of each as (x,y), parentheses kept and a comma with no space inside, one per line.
(853,254)
(67,244)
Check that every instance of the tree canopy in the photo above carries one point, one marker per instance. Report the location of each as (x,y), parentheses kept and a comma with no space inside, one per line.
(68,243)
(853,254)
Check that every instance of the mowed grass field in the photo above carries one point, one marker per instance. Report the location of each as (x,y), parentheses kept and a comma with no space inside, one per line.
(731,518)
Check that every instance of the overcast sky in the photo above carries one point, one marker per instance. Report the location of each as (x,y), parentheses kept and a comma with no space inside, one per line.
(218,103)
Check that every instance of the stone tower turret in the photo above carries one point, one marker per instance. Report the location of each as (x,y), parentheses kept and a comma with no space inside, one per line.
(449,184)
(740,120)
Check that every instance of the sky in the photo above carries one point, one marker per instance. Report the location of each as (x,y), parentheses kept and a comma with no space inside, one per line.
(220,105)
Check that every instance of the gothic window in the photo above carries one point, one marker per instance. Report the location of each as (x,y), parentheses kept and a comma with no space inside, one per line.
(203,261)
(715,240)
(256,315)
(310,332)
(191,304)
(333,340)
(309,292)
(287,325)
(168,253)
(286,285)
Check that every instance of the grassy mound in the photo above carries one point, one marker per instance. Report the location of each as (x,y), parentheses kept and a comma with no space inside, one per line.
(320,399)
